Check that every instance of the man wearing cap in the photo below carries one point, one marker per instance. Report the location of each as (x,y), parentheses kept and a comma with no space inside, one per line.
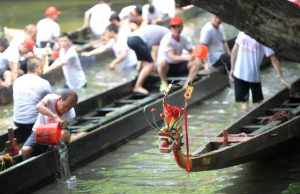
(246,57)
(142,41)
(171,59)
(212,35)
(28,90)
(47,28)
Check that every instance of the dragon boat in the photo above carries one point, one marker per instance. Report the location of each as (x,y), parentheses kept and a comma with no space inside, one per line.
(104,121)
(256,135)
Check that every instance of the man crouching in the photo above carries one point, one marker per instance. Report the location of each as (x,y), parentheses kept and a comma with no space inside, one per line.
(52,108)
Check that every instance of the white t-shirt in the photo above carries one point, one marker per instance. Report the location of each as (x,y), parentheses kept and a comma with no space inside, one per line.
(52,99)
(72,69)
(28,90)
(249,58)
(151,34)
(165,6)
(168,43)
(12,53)
(125,12)
(99,18)
(214,38)
(47,30)
(151,17)
(120,46)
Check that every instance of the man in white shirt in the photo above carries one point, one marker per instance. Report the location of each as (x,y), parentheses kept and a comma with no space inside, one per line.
(212,35)
(28,90)
(97,17)
(151,15)
(246,58)
(125,59)
(52,108)
(71,65)
(142,41)
(165,6)
(47,28)
(171,59)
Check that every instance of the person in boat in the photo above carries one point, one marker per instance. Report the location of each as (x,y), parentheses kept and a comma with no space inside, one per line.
(171,59)
(132,16)
(125,58)
(69,61)
(246,57)
(166,7)
(212,35)
(5,66)
(17,58)
(151,15)
(142,41)
(52,108)
(48,30)
(124,29)
(28,90)
(97,18)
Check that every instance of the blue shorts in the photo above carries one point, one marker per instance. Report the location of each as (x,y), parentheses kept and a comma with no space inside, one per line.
(36,148)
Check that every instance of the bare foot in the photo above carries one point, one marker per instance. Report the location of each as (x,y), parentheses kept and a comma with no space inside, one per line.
(141,90)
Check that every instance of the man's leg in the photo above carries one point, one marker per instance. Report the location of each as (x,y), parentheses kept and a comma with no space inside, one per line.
(145,72)
(241,91)
(27,147)
(257,94)
(163,69)
(193,69)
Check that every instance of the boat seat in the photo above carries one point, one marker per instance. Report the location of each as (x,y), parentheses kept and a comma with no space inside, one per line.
(251,128)
(233,138)
(266,127)
(103,111)
(274,110)
(290,104)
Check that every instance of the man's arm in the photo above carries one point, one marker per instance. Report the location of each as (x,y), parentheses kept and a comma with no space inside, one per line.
(277,66)
(42,107)
(233,56)
(96,51)
(178,58)
(227,49)
(118,60)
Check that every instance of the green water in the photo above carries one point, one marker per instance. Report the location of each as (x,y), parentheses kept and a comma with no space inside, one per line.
(18,13)
(138,168)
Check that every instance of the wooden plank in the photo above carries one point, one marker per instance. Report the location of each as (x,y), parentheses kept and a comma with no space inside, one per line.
(265,128)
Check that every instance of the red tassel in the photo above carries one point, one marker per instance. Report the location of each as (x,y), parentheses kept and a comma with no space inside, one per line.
(187,167)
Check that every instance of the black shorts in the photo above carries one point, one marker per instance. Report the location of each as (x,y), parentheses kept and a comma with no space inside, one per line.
(178,69)
(24,129)
(141,49)
(242,88)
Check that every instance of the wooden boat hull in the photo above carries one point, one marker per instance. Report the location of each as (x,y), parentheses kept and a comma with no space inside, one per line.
(254,147)
(113,129)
